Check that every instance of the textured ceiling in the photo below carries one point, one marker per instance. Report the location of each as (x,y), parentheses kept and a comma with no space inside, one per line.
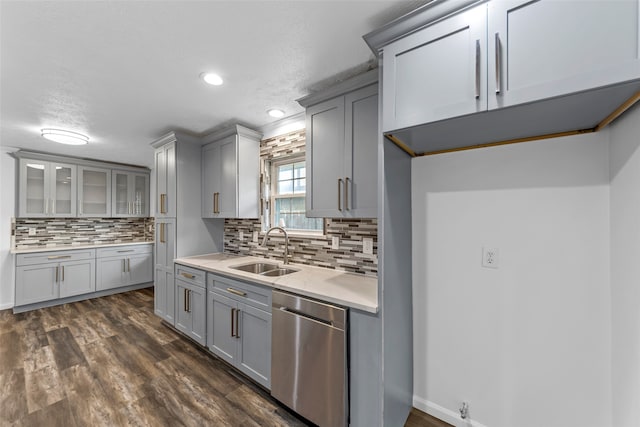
(126,72)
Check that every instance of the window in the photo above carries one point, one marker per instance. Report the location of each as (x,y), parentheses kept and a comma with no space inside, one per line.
(287,201)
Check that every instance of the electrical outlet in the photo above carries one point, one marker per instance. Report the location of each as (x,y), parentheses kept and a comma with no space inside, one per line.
(241,235)
(335,242)
(255,237)
(490,257)
(32,231)
(367,246)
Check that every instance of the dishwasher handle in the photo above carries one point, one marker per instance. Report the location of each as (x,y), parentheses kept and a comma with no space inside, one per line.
(307,316)
(325,313)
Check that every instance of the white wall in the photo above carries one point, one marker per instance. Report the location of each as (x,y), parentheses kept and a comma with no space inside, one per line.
(625,268)
(527,344)
(7,211)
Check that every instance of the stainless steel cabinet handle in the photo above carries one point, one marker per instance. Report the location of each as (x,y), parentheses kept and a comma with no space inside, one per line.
(63,273)
(129,265)
(478,69)
(57,273)
(189,301)
(233,310)
(123,265)
(498,65)
(129,250)
(339,188)
(184,300)
(234,291)
(346,194)
(237,323)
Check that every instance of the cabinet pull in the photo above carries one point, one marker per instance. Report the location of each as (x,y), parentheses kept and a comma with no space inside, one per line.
(498,65)
(233,310)
(346,194)
(129,265)
(184,300)
(57,273)
(128,250)
(162,232)
(339,188)
(477,69)
(237,323)
(63,273)
(233,291)
(123,265)
(189,300)
(59,257)
(163,198)
(216,203)
(188,276)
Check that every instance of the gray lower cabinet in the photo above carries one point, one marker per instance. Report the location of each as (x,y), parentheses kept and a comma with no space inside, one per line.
(239,326)
(164,295)
(124,266)
(48,276)
(191,303)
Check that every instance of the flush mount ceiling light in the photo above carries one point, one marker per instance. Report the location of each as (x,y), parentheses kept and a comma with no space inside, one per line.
(65,136)
(212,78)
(274,112)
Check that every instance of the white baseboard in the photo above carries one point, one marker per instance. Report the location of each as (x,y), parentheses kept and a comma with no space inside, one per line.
(443,413)
(6,306)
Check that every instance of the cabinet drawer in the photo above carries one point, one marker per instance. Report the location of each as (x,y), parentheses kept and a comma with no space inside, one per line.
(124,250)
(56,256)
(254,295)
(190,275)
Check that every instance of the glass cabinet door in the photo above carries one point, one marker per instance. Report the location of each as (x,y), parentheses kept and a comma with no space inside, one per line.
(62,190)
(33,188)
(140,195)
(121,204)
(94,192)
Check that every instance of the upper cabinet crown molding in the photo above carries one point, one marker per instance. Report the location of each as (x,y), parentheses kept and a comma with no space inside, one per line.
(80,161)
(232,130)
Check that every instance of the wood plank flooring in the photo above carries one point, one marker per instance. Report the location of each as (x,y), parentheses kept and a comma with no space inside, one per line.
(110,362)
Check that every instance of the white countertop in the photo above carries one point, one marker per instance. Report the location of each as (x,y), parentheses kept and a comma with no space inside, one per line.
(74,247)
(348,289)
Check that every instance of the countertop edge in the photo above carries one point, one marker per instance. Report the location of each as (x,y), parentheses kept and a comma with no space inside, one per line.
(74,247)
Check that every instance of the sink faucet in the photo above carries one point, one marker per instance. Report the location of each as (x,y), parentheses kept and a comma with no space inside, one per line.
(286,242)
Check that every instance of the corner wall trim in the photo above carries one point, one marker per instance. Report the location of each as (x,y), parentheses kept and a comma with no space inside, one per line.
(443,413)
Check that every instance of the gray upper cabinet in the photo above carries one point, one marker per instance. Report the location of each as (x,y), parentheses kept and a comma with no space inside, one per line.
(165,176)
(342,150)
(230,174)
(546,48)
(529,68)
(46,189)
(438,72)
(94,192)
(130,194)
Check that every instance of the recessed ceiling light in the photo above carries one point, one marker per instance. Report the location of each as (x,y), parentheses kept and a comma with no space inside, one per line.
(274,112)
(65,136)
(212,79)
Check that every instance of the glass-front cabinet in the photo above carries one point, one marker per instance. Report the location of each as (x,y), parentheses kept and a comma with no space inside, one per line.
(130,194)
(94,192)
(47,189)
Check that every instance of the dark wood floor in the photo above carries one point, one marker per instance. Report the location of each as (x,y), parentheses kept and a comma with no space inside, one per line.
(110,362)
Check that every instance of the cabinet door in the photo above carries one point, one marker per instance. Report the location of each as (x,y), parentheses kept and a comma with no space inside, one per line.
(139,194)
(77,277)
(227,200)
(184,318)
(94,192)
(324,163)
(33,188)
(165,242)
(139,269)
(35,283)
(121,198)
(160,171)
(63,190)
(545,48)
(190,310)
(110,273)
(436,73)
(221,318)
(254,352)
(211,171)
(361,153)
(172,184)
(164,295)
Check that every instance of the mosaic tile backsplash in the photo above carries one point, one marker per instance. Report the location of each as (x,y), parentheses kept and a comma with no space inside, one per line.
(310,250)
(80,231)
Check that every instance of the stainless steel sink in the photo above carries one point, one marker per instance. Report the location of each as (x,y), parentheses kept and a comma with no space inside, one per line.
(279,272)
(256,267)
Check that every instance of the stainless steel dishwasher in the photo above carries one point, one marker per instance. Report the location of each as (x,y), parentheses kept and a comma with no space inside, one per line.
(309,358)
